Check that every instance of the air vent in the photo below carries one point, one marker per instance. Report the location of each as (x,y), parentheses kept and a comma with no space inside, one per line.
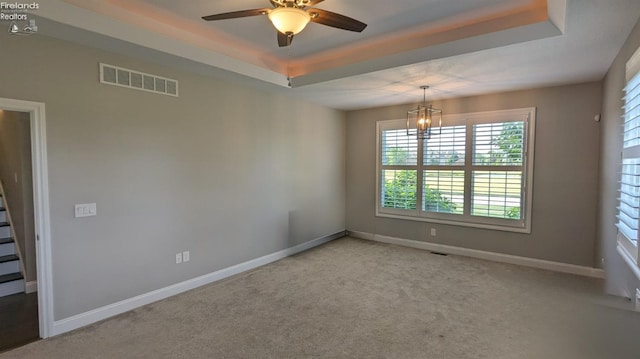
(119,76)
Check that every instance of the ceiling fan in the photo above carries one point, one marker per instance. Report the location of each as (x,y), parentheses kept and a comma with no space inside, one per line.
(291,16)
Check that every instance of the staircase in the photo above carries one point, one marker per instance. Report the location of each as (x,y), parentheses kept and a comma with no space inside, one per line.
(11,278)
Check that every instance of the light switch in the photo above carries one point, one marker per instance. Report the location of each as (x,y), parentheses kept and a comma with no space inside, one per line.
(86,210)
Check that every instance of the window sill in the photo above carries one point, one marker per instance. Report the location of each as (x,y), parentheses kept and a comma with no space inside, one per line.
(525,229)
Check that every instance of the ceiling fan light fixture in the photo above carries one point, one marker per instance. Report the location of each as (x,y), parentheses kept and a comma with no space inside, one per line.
(289,20)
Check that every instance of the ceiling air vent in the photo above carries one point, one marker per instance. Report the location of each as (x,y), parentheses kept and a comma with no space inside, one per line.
(119,76)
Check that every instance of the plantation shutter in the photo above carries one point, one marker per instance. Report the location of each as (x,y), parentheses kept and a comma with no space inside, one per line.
(399,159)
(443,170)
(628,210)
(497,176)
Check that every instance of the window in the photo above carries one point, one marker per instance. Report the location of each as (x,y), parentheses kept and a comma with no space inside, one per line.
(629,190)
(475,171)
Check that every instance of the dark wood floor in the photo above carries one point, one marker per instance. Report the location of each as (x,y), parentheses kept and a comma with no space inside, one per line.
(18,320)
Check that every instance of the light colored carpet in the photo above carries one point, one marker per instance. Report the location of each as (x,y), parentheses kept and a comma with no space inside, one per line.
(357,299)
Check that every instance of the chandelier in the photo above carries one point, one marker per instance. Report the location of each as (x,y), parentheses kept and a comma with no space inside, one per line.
(421,118)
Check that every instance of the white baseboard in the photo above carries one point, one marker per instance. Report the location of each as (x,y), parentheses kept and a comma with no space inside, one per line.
(31,287)
(474,253)
(96,315)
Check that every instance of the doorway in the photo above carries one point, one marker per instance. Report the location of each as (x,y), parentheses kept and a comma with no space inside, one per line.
(39,296)
(18,295)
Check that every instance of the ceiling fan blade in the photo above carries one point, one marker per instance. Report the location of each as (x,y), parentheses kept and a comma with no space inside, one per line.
(284,40)
(236,14)
(332,19)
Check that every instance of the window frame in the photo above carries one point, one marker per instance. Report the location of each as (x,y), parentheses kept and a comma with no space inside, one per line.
(527,115)
(627,247)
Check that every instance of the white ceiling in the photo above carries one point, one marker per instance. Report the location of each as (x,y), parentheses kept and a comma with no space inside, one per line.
(458,47)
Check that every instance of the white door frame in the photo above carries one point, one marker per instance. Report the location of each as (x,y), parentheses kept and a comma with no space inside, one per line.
(36,112)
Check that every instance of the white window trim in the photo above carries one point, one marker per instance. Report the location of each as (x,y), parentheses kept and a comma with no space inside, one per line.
(629,252)
(527,114)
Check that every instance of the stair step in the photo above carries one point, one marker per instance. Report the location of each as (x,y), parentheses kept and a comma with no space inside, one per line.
(4,224)
(7,249)
(9,263)
(9,258)
(10,277)
(6,240)
(12,287)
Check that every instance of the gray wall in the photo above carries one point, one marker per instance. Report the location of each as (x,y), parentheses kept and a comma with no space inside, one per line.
(15,173)
(227,172)
(620,279)
(565,176)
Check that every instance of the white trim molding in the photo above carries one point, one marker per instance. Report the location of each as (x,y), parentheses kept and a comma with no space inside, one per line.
(40,170)
(96,315)
(492,256)
(628,258)
(31,287)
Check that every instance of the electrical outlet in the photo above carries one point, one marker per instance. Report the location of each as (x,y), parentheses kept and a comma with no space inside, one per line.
(637,300)
(433,232)
(85,210)
(178,258)
(186,256)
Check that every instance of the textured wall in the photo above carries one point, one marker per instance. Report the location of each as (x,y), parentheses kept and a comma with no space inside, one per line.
(227,172)
(564,187)
(620,279)
(15,172)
